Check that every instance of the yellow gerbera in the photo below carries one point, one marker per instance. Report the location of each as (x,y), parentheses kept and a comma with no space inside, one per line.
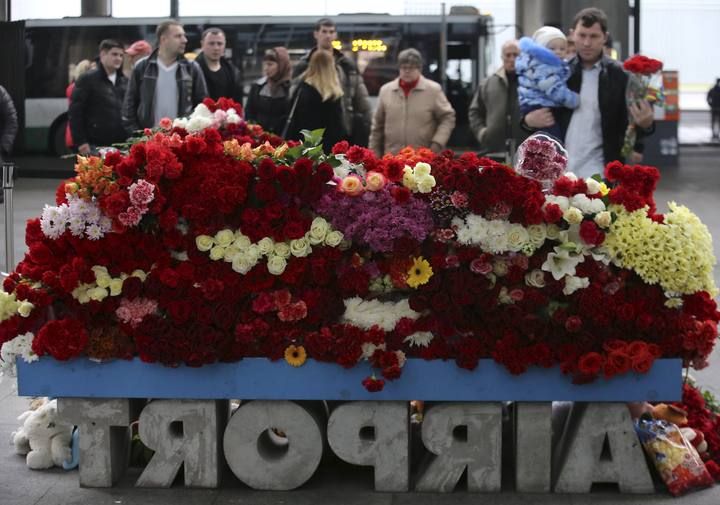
(419,273)
(295,355)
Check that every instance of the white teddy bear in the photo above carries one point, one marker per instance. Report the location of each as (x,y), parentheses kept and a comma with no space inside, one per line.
(44,438)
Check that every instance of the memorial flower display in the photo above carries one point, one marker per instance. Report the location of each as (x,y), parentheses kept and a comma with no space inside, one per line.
(211,240)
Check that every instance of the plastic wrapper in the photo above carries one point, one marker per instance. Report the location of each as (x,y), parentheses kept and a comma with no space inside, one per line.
(645,82)
(542,158)
(675,459)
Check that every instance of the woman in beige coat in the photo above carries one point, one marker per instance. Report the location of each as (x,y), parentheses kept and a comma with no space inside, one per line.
(412,110)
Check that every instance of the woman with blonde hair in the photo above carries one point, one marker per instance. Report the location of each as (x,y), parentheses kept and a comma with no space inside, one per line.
(316,102)
(79,69)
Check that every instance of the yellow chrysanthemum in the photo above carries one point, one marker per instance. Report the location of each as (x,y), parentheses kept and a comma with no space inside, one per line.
(677,254)
(419,273)
(295,355)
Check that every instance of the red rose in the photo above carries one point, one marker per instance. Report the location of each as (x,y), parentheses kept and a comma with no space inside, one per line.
(642,363)
(392,373)
(266,169)
(590,363)
(573,324)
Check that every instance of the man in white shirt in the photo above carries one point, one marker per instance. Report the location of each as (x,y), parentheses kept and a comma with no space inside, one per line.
(164,84)
(594,132)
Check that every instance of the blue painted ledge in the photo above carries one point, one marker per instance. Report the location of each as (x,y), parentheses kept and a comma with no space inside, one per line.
(259,378)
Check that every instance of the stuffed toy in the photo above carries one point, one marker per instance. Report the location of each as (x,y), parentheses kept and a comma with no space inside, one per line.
(43,437)
(697,439)
(669,413)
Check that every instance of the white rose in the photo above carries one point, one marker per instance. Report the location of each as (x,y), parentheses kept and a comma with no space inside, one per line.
(603,219)
(334,238)
(224,237)
(573,215)
(593,186)
(242,242)
(217,253)
(204,242)
(266,246)
(241,265)
(282,250)
(537,234)
(581,201)
(517,237)
(253,253)
(561,201)
(318,230)
(276,264)
(535,279)
(230,254)
(300,247)
(552,231)
(500,268)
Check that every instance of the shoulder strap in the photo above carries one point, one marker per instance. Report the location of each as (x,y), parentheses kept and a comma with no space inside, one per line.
(292,113)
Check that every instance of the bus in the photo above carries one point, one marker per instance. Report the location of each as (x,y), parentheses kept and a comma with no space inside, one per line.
(53,47)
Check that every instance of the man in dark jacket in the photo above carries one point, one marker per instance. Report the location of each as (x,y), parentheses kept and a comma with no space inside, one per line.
(494,112)
(713,100)
(357,114)
(8,124)
(164,84)
(95,113)
(594,132)
(222,77)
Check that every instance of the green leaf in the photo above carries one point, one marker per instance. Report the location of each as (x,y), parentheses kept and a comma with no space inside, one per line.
(313,152)
(597,177)
(333,161)
(317,136)
(294,152)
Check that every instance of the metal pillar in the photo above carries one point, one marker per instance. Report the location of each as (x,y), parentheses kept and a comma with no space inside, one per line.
(4,10)
(8,170)
(96,8)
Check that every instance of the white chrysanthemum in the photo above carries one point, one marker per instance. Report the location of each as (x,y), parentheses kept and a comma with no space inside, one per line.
(368,313)
(419,339)
(93,232)
(20,346)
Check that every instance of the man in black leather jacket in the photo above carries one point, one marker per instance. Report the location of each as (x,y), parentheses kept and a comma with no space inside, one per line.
(222,77)
(95,113)
(8,124)
(164,84)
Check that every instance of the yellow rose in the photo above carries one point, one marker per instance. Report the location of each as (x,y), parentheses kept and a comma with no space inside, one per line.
(98,294)
(375,181)
(204,242)
(116,287)
(422,169)
(224,237)
(103,280)
(139,274)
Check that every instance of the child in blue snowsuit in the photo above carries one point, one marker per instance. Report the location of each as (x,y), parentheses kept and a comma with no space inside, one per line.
(543,74)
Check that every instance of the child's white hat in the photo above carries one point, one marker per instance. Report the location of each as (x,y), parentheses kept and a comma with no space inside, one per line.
(547,33)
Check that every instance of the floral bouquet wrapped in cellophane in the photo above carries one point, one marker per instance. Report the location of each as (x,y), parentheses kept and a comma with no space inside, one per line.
(644,83)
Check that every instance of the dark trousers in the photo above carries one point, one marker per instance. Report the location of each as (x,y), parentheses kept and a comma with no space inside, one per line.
(715,123)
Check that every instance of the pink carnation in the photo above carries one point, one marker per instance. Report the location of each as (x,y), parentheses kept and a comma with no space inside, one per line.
(141,192)
(132,312)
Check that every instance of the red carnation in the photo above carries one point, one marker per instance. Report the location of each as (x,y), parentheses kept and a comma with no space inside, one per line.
(341,147)
(590,233)
(372,384)
(401,194)
(355,154)
(62,339)
(552,213)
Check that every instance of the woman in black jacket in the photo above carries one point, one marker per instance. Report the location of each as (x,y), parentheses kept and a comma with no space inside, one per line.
(319,103)
(269,100)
